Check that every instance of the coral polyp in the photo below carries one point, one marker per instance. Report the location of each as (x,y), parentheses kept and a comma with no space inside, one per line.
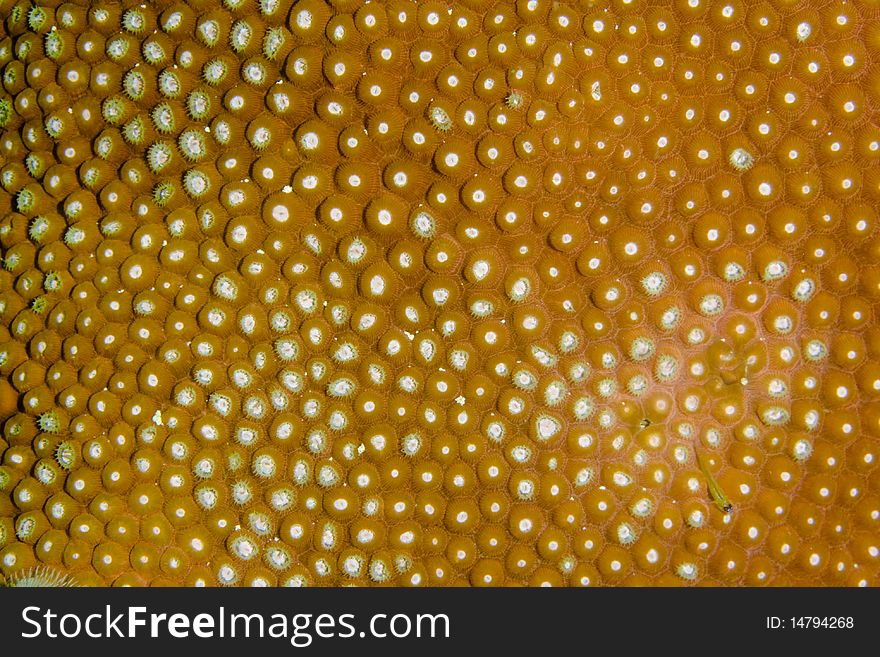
(40,577)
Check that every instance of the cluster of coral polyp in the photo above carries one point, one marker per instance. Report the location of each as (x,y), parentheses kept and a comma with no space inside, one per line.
(488,293)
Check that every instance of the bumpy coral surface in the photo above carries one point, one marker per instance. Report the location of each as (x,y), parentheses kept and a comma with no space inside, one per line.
(447,292)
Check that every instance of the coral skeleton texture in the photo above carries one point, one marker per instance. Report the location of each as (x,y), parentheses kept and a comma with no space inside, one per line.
(532,292)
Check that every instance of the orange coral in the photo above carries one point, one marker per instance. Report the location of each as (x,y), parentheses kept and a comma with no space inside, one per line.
(325,292)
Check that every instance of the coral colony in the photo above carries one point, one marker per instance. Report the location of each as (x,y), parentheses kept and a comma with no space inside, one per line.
(531,292)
